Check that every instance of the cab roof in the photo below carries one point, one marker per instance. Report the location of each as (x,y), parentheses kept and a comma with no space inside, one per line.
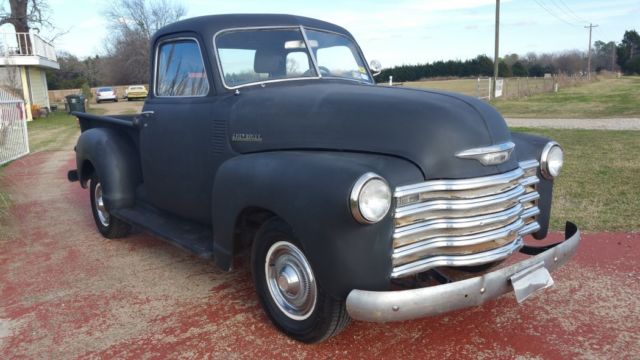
(211,24)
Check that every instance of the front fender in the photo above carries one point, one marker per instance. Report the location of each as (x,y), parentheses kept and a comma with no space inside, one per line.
(310,191)
(115,159)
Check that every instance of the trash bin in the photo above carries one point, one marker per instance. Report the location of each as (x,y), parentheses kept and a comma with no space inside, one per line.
(75,103)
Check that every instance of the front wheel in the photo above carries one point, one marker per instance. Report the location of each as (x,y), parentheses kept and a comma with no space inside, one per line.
(288,290)
(109,226)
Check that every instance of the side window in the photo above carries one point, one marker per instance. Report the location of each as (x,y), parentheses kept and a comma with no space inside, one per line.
(297,63)
(180,70)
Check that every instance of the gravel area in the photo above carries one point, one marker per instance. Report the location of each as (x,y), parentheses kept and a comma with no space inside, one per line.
(597,124)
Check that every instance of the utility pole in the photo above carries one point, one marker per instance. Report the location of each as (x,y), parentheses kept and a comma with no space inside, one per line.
(495,54)
(591,26)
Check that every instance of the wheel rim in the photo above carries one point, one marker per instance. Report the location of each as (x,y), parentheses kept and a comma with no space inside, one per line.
(290,280)
(103,214)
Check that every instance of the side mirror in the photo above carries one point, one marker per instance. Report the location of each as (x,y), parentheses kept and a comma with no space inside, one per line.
(376,67)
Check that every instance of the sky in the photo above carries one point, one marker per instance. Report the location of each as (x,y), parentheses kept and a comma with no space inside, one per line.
(400,31)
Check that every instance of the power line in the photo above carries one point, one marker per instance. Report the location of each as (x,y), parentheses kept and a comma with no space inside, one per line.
(575,16)
(554,15)
(564,11)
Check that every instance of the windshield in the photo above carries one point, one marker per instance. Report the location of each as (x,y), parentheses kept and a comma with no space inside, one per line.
(105,89)
(261,55)
(337,56)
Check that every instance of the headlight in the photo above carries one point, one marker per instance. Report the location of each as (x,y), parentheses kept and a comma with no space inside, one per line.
(370,199)
(551,160)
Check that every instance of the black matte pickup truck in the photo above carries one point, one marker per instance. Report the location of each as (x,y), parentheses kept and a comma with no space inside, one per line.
(268,133)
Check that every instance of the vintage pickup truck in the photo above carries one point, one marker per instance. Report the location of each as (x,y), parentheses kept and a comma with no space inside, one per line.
(268,133)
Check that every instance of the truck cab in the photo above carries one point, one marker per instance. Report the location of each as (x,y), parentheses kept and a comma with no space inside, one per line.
(268,133)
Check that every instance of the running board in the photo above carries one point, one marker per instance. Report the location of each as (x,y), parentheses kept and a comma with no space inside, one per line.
(188,235)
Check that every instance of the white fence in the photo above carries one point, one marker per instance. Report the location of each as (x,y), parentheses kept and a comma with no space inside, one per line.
(14,140)
(483,88)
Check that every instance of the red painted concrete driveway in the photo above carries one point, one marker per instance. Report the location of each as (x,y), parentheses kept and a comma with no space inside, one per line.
(65,292)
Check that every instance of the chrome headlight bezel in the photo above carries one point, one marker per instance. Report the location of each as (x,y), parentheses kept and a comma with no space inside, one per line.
(545,169)
(355,198)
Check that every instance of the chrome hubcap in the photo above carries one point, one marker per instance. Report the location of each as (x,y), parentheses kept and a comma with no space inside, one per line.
(103,214)
(290,280)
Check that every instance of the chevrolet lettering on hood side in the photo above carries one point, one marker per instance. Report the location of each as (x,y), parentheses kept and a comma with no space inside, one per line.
(268,133)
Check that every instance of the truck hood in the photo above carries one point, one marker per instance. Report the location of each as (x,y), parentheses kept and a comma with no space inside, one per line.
(425,127)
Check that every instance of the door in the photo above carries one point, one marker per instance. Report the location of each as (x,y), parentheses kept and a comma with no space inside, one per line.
(175,139)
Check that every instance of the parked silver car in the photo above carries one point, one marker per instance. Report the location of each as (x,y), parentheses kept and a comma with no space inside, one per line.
(106,94)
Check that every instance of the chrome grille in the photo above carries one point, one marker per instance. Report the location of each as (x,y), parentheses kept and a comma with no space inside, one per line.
(464,222)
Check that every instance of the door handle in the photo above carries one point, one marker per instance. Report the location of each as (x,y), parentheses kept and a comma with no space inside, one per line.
(147,114)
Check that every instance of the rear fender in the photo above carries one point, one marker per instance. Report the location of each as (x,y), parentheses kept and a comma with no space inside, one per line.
(113,156)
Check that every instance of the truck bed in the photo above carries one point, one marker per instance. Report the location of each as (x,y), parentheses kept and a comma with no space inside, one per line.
(88,121)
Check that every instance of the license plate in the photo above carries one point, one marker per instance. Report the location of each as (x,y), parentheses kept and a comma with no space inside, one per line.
(530,280)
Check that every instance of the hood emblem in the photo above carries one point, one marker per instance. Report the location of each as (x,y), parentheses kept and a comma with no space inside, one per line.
(489,155)
(242,137)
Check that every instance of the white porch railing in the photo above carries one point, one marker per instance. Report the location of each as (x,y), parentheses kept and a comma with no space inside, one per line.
(26,44)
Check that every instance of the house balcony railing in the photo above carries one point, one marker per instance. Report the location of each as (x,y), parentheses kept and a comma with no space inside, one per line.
(26,44)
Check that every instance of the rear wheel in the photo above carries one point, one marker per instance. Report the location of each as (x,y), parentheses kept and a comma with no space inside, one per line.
(109,226)
(288,290)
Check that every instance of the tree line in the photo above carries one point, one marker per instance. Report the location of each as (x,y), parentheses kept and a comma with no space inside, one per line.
(624,57)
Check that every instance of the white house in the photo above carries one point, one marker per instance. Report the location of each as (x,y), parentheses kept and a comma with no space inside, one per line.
(23,60)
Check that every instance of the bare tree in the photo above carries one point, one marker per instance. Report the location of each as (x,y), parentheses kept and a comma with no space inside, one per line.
(25,15)
(143,16)
(133,23)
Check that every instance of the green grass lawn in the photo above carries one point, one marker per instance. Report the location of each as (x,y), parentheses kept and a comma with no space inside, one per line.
(462,86)
(53,132)
(4,202)
(599,99)
(599,187)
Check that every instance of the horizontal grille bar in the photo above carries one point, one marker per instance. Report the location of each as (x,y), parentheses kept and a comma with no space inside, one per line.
(456,226)
(458,185)
(458,207)
(424,247)
(464,222)
(463,260)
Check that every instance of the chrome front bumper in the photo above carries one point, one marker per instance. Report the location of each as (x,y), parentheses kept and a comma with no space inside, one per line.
(384,306)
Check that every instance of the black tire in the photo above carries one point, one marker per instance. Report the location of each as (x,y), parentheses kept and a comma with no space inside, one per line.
(113,227)
(326,318)
(97,101)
